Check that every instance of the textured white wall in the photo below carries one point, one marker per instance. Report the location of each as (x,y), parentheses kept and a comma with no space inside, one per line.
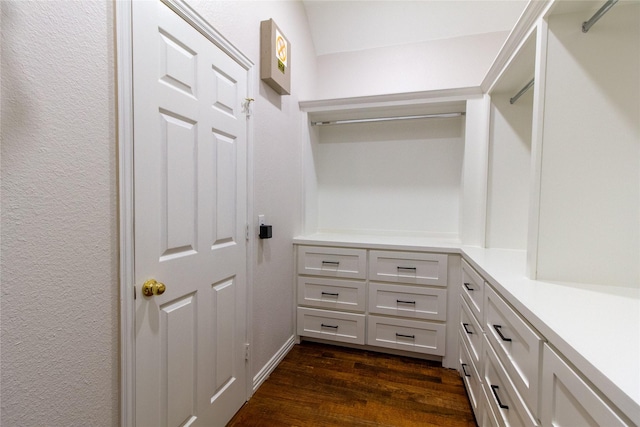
(59,198)
(59,333)
(277,159)
(434,65)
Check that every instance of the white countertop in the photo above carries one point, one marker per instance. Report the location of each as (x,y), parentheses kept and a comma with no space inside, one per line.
(596,327)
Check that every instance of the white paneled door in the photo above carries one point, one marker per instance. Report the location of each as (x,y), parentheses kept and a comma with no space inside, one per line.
(190,139)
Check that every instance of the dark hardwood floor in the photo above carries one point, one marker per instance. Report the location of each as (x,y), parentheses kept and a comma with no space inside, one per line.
(321,385)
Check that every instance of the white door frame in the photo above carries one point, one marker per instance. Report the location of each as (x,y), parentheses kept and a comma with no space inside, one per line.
(124,63)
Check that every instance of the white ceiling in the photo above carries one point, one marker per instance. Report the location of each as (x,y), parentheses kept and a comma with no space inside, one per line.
(351,25)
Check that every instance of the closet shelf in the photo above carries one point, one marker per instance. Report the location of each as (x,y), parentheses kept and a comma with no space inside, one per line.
(388,119)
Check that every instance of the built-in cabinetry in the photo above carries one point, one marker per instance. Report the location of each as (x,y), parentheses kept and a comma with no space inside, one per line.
(535,191)
(568,399)
(564,142)
(513,375)
(399,302)
(408,169)
(332,293)
(471,334)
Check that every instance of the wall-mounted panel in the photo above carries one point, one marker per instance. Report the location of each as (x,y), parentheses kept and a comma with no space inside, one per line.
(590,189)
(401,176)
(509,154)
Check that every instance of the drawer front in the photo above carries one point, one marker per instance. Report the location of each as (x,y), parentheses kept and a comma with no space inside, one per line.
(334,294)
(408,267)
(332,262)
(487,417)
(473,290)
(517,345)
(471,331)
(504,400)
(409,335)
(408,301)
(568,400)
(470,376)
(331,325)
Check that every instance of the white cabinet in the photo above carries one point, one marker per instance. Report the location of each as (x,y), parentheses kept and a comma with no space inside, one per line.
(470,376)
(523,380)
(399,302)
(568,400)
(415,312)
(333,294)
(471,339)
(503,350)
(331,325)
(504,399)
(405,334)
(408,267)
(473,290)
(332,262)
(518,346)
(414,302)
(471,331)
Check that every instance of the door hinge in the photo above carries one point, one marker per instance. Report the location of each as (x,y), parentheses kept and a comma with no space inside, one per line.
(246,352)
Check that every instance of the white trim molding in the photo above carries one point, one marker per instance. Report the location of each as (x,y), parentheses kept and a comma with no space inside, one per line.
(124,65)
(273,363)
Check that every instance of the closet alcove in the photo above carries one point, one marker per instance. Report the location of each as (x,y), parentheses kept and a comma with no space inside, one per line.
(397,173)
(588,229)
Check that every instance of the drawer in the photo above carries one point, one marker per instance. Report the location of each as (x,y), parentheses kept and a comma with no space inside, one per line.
(470,376)
(408,267)
(409,335)
(408,301)
(568,400)
(332,262)
(503,399)
(517,345)
(473,290)
(486,418)
(471,331)
(331,325)
(334,294)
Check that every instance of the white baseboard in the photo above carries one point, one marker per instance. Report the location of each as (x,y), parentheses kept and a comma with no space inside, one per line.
(272,363)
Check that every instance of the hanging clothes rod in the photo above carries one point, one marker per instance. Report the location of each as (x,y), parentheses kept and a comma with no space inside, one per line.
(522,91)
(388,119)
(604,9)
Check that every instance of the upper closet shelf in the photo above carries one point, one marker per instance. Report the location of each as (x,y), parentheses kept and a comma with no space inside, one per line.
(404,106)
(388,119)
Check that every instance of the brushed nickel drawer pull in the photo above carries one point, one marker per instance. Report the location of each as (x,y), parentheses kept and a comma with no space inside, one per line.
(494,389)
(413,337)
(331,294)
(334,263)
(468,286)
(399,301)
(407,268)
(498,330)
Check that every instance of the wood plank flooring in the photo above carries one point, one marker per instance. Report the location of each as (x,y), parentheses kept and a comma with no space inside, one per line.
(324,386)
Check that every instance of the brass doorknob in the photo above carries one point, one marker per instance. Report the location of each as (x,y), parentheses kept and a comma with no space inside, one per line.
(151,287)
